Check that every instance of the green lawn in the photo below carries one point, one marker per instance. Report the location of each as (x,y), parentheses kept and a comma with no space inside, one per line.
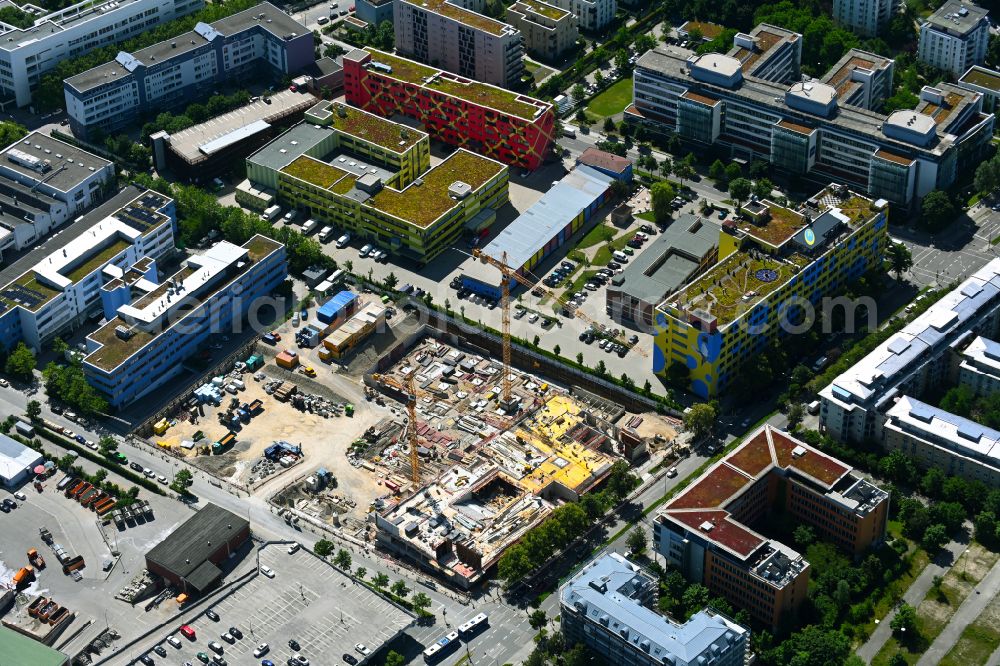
(596,235)
(613,100)
(603,254)
(979,640)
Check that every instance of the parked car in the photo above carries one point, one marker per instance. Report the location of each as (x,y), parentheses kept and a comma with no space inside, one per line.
(212,615)
(215,646)
(228,637)
(235,633)
(366,250)
(350,659)
(267,571)
(362,649)
(261,650)
(135,466)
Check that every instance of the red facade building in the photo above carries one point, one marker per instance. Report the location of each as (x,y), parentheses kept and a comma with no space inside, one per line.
(487,120)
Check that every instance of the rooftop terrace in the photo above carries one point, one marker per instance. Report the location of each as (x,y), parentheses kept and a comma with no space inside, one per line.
(482,94)
(780,225)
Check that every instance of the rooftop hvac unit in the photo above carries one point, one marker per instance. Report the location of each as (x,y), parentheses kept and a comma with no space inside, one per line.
(28,161)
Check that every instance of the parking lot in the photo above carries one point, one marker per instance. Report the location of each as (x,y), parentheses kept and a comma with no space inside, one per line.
(307,601)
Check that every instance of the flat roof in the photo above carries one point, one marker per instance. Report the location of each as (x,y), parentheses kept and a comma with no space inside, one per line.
(982,77)
(609,590)
(192,543)
(938,326)
(188,143)
(708,30)
(814,91)
(718,63)
(669,260)
(465,16)
(68,166)
(534,228)
(957,17)
(367,126)
(483,94)
(20,650)
(265,16)
(15,457)
(540,8)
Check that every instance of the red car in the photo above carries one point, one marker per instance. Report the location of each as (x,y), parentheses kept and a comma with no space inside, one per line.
(187,631)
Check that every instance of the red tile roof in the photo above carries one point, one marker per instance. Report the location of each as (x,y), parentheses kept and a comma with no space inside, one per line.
(604,160)
(712,490)
(725,531)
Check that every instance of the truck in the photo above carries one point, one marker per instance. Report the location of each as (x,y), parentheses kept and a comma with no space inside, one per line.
(24,429)
(23,577)
(326,234)
(37,560)
(310,226)
(73,564)
(271,213)
(256,407)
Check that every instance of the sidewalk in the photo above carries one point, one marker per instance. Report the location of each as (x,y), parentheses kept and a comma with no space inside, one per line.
(913,596)
(965,615)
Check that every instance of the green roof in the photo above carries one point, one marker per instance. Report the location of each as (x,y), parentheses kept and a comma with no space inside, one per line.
(96,261)
(19,650)
(543,9)
(314,171)
(984,78)
(457,13)
(778,228)
(369,127)
(482,94)
(421,204)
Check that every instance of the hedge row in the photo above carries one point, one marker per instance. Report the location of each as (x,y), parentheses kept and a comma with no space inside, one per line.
(121,470)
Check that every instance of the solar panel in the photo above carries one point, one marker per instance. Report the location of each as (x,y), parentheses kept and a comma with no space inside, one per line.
(23,295)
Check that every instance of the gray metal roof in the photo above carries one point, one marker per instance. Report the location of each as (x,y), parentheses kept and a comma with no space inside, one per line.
(669,260)
(557,208)
(70,166)
(607,591)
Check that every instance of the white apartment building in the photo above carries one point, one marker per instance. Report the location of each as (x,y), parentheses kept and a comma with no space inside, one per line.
(45,183)
(27,53)
(913,361)
(955,37)
(548,31)
(864,17)
(455,35)
(753,102)
(593,15)
(979,366)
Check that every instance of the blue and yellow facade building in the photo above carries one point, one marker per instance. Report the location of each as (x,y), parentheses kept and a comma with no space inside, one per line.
(775,267)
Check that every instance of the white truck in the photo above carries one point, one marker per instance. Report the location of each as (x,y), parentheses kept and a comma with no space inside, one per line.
(325,234)
(310,226)
(271,213)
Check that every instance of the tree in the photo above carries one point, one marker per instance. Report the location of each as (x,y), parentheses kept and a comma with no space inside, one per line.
(987,178)
(904,621)
(349,266)
(323,547)
(898,659)
(762,188)
(360,573)
(21,362)
(579,358)
(717,172)
(182,481)
(599,78)
(556,350)
(739,190)
(579,92)
(537,619)
(343,559)
(600,368)
(935,536)
(535,341)
(937,211)
(581,117)
(391,281)
(932,482)
(795,414)
(700,420)
(803,536)
(900,259)
(609,125)
(59,346)
(393,658)
(400,589)
(33,410)
(733,171)
(637,540)
(621,60)
(662,194)
(694,599)
(666,167)
(421,601)
(380,580)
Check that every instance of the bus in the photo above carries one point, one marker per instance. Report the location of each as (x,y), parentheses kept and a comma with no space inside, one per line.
(441,647)
(473,625)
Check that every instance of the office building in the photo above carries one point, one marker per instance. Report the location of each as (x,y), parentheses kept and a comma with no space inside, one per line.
(861,79)
(955,37)
(866,18)
(372,177)
(56,288)
(45,183)
(592,15)
(706,531)
(607,608)
(933,437)
(190,556)
(551,221)
(773,264)
(753,103)
(28,53)
(548,31)
(674,257)
(152,328)
(374,12)
(259,43)
(490,121)
(456,36)
(914,361)
(984,81)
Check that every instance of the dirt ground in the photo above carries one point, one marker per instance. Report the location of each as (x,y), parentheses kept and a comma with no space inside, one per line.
(653,424)
(324,441)
(970,568)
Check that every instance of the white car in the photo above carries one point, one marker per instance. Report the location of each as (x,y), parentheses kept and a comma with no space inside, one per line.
(267,571)
(362,649)
(520,312)
(228,637)
(261,650)
(21,496)
(162,479)
(149,473)
(292,549)
(173,640)
(533,317)
(4,383)
(366,250)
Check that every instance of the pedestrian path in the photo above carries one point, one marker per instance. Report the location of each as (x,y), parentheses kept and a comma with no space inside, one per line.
(963,617)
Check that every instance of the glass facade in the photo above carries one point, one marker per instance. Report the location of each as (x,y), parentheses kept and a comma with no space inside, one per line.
(890,180)
(789,150)
(695,121)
